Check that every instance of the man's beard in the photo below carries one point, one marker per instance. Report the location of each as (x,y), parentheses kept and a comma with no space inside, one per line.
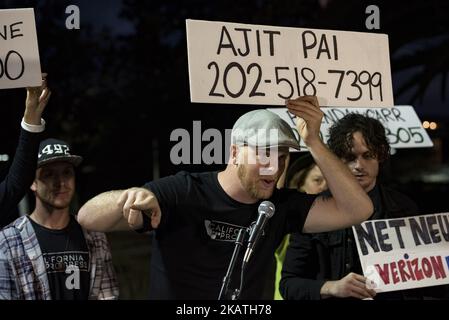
(251,185)
(52,204)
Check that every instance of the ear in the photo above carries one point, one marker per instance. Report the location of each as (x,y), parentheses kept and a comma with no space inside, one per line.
(34,186)
(234,151)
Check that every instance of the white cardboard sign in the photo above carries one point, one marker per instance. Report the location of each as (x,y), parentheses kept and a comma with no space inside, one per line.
(265,65)
(404,253)
(19,53)
(402,125)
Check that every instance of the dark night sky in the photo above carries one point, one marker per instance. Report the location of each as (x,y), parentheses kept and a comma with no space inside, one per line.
(104,13)
(431,106)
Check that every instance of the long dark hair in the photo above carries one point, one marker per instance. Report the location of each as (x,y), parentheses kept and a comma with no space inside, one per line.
(372,130)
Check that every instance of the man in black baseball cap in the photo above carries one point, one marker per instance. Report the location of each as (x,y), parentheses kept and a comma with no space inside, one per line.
(68,262)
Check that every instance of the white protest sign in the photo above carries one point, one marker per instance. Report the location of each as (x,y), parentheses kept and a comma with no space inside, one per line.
(256,64)
(404,253)
(19,53)
(402,125)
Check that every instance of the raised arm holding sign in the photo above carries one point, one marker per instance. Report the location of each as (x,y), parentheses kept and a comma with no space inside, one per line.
(23,168)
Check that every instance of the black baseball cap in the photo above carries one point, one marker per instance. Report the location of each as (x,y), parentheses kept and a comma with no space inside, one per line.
(54,150)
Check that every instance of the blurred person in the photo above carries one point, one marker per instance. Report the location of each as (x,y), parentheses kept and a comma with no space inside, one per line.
(23,167)
(47,255)
(197,216)
(325,265)
(305,176)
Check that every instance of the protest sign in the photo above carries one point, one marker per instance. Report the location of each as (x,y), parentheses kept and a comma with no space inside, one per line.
(403,128)
(19,53)
(404,253)
(265,65)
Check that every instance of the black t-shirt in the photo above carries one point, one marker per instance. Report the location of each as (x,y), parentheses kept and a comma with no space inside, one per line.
(195,240)
(66,259)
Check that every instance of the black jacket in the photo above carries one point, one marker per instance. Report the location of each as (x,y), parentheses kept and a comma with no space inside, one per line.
(20,176)
(313,259)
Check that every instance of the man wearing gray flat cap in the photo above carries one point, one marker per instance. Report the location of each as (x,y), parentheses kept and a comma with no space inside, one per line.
(197,217)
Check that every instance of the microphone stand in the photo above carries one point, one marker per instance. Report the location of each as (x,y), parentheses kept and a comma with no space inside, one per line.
(227,278)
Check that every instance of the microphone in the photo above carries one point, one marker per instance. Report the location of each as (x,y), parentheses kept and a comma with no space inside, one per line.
(266,211)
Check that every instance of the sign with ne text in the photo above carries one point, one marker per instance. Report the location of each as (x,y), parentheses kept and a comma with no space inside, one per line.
(404,253)
(19,53)
(265,65)
(402,125)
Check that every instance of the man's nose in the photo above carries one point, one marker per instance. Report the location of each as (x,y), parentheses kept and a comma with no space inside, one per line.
(60,181)
(358,164)
(269,169)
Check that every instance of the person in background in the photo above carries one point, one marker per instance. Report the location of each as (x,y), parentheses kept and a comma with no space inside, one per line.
(305,176)
(326,265)
(48,255)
